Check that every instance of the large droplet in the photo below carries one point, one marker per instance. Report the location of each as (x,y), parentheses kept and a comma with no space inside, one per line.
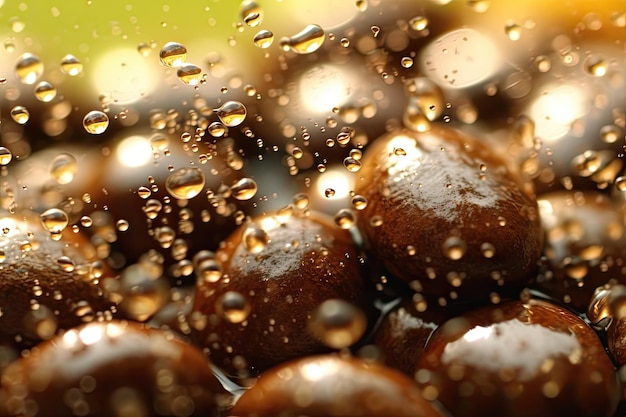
(28,68)
(309,40)
(71,65)
(96,122)
(190,74)
(337,323)
(63,168)
(5,156)
(173,54)
(244,189)
(185,183)
(231,113)
(54,220)
(426,96)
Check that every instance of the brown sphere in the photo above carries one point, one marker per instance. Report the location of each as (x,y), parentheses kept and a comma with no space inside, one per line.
(276,270)
(113,368)
(328,385)
(45,284)
(585,245)
(519,359)
(447,215)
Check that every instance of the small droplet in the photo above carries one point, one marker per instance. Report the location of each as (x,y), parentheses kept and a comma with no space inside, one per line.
(173,54)
(144,49)
(251,13)
(185,183)
(488,250)
(359,202)
(63,168)
(610,134)
(232,306)
(454,248)
(217,129)
(255,239)
(596,66)
(352,164)
(28,68)
(54,220)
(543,63)
(231,113)
(309,40)
(329,193)
(301,201)
(96,122)
(263,39)
(337,323)
(66,263)
(406,62)
(122,225)
(513,31)
(344,218)
(620,183)
(418,23)
(46,92)
(190,74)
(71,65)
(244,189)
(5,156)
(20,114)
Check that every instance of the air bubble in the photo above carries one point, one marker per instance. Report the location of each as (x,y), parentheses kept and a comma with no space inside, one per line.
(337,323)
(5,156)
(454,248)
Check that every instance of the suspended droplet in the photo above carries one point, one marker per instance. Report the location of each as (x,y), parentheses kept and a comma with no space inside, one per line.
(251,13)
(255,239)
(488,250)
(152,208)
(344,218)
(20,114)
(143,290)
(185,183)
(28,68)
(217,129)
(337,323)
(244,189)
(263,39)
(206,266)
(122,225)
(359,202)
(5,156)
(620,183)
(406,62)
(301,201)
(610,134)
(596,66)
(96,122)
(513,31)
(425,96)
(352,164)
(232,306)
(173,54)
(454,248)
(309,40)
(231,113)
(54,220)
(63,168)
(418,23)
(46,92)
(190,74)
(71,65)
(144,49)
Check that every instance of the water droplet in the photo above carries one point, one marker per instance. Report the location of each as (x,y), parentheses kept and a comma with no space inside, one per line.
(344,218)
(206,266)
(454,248)
(620,183)
(255,239)
(46,92)
(185,183)
(359,202)
(251,13)
(232,306)
(618,19)
(217,129)
(71,65)
(86,221)
(352,164)
(426,96)
(513,31)
(190,74)
(479,6)
(122,225)
(5,156)
(301,201)
(231,113)
(63,168)
(20,114)
(144,49)
(244,189)
(596,66)
(263,39)
(406,62)
(143,290)
(28,68)
(418,23)
(488,250)
(309,40)
(337,323)
(173,54)
(54,220)
(610,134)
(66,263)
(543,63)
(96,122)
(165,235)
(329,193)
